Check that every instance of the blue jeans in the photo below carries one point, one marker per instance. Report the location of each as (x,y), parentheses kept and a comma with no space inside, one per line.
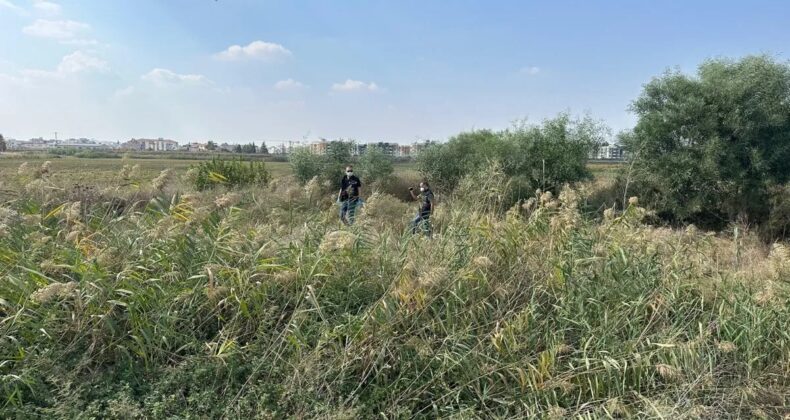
(423,221)
(348,210)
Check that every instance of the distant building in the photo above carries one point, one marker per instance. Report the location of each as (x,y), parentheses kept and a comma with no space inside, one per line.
(153,145)
(418,147)
(609,152)
(318,147)
(84,144)
(225,147)
(195,147)
(404,151)
(389,149)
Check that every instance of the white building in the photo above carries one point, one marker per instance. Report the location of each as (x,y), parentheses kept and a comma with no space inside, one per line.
(153,145)
(610,152)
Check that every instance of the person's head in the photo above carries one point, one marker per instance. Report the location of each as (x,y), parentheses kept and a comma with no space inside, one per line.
(424,186)
(349,170)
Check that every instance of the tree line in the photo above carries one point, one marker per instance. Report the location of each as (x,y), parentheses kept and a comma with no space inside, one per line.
(709,149)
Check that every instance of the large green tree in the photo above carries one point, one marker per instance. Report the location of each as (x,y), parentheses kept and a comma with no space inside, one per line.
(544,155)
(709,148)
(374,166)
(305,165)
(3,146)
(328,167)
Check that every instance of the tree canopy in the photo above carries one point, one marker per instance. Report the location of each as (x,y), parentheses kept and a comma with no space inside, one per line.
(544,155)
(710,148)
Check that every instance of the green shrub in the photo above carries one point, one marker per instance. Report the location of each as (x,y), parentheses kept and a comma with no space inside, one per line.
(305,165)
(709,149)
(327,167)
(375,167)
(545,156)
(229,173)
(778,224)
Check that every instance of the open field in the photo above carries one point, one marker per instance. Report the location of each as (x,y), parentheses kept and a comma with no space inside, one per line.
(104,171)
(257,303)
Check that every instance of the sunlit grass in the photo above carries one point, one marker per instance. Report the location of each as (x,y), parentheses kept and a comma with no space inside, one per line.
(257,303)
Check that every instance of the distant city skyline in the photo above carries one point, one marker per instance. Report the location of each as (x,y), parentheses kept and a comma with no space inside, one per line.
(372,71)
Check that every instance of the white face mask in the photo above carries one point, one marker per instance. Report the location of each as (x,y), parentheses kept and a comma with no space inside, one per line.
(349,173)
(422,189)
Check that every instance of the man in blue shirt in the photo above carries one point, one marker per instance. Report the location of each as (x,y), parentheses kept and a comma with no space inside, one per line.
(425,210)
(348,196)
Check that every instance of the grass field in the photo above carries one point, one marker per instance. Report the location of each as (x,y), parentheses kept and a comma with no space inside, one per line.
(103,171)
(259,303)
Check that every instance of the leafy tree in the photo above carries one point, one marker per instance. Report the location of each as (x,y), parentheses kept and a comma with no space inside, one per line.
(263,149)
(338,155)
(445,164)
(3,146)
(249,148)
(552,153)
(375,166)
(305,165)
(211,145)
(328,167)
(537,156)
(709,148)
(237,149)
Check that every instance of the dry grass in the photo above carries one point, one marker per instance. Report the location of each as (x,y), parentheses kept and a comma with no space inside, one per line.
(259,303)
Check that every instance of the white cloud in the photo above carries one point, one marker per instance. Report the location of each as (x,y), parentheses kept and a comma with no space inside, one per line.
(56,29)
(124,92)
(47,7)
(289,84)
(9,5)
(354,86)
(164,77)
(80,42)
(31,74)
(260,50)
(78,61)
(530,70)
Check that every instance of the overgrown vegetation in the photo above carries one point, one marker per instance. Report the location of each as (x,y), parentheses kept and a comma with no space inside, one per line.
(541,295)
(84,154)
(544,156)
(228,173)
(715,148)
(328,167)
(375,167)
(256,303)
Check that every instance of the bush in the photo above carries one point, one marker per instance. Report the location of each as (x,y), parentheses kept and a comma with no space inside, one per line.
(709,149)
(305,165)
(327,167)
(229,173)
(398,185)
(375,167)
(536,156)
(778,224)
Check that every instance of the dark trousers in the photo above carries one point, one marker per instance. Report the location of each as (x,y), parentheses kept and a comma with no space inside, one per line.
(348,210)
(422,221)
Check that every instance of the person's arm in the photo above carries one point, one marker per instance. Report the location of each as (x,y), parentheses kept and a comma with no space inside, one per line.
(413,197)
(342,185)
(433,203)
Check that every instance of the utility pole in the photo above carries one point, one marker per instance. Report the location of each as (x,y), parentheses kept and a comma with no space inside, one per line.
(56,136)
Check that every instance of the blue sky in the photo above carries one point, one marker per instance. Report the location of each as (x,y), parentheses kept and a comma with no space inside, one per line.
(243,70)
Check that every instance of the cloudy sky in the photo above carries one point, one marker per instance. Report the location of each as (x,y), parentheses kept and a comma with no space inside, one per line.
(242,70)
